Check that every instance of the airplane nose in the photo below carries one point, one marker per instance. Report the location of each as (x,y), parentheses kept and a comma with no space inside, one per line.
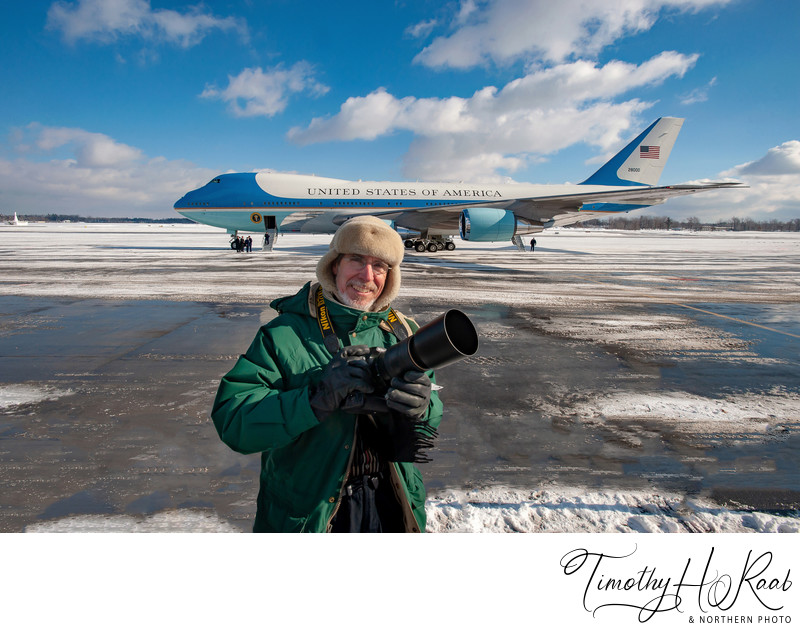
(193,198)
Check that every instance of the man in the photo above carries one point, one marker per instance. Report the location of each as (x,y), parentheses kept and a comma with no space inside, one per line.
(302,395)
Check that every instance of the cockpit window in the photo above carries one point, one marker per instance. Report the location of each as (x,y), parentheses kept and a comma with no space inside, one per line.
(216,180)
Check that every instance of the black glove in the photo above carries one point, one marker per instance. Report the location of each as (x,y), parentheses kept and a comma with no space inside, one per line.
(400,435)
(410,394)
(397,438)
(347,372)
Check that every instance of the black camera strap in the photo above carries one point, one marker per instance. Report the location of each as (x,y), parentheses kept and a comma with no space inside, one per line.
(398,328)
(329,335)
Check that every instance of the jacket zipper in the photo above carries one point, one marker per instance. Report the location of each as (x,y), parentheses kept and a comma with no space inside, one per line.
(344,480)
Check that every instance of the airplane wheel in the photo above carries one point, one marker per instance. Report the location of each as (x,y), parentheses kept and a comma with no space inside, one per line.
(449,246)
(419,246)
(432,247)
(408,243)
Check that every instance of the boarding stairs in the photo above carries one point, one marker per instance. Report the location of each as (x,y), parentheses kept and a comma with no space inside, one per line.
(267,245)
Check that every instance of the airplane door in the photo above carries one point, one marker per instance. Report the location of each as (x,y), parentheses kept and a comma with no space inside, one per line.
(269,222)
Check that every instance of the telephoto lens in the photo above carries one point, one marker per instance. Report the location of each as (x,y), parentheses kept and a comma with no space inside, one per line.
(447,339)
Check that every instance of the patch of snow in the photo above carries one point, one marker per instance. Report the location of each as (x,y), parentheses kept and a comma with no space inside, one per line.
(12,395)
(183,520)
(582,511)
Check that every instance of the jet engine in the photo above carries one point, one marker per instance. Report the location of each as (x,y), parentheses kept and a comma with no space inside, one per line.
(492,224)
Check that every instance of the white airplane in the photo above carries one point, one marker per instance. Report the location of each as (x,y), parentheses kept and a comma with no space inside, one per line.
(276,203)
(16,222)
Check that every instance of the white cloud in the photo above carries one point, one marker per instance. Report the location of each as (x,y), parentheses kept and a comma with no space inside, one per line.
(380,113)
(584,81)
(91,149)
(699,95)
(421,30)
(74,171)
(466,9)
(255,92)
(781,160)
(524,137)
(504,31)
(773,193)
(561,99)
(106,20)
(538,114)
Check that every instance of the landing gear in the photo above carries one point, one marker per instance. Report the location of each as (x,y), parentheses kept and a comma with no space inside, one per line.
(433,244)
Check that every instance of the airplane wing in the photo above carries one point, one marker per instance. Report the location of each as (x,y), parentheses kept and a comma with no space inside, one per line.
(559,210)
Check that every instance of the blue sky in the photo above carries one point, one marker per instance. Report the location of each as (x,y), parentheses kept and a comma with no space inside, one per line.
(118,107)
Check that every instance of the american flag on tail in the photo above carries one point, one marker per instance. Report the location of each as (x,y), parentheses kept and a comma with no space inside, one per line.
(649,151)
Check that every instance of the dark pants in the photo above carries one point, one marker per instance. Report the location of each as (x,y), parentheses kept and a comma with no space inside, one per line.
(368,505)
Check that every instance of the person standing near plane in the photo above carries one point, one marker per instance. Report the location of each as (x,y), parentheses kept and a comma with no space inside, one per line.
(533,244)
(297,396)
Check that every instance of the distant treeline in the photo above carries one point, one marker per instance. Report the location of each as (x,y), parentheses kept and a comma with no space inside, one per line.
(79,219)
(693,223)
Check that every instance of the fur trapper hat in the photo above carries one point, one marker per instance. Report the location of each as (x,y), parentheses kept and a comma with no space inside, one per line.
(368,236)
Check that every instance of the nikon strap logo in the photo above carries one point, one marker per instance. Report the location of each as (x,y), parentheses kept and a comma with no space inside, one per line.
(398,328)
(325,326)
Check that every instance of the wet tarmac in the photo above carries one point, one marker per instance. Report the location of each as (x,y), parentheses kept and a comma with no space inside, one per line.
(107,397)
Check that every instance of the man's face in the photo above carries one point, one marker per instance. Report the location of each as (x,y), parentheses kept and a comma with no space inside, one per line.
(359,279)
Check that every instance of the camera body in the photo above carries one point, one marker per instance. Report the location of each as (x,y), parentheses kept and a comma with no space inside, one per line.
(381,378)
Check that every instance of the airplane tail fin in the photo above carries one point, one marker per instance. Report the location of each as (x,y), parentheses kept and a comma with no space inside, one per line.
(643,159)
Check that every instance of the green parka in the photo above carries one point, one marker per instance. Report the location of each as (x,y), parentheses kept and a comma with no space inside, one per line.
(262,405)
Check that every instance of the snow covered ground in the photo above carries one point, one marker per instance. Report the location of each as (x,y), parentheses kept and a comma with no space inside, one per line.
(723,300)
(499,510)
(582,511)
